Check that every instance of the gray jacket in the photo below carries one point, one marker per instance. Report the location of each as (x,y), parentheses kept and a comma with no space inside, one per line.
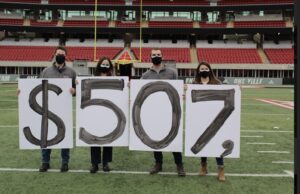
(64,72)
(164,73)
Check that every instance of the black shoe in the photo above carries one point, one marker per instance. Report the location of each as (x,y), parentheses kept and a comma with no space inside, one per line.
(44,167)
(64,168)
(94,168)
(106,168)
(157,168)
(180,170)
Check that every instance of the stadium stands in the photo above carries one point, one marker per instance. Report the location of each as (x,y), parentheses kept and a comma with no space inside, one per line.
(233,55)
(82,23)
(43,23)
(170,24)
(247,24)
(280,56)
(251,2)
(11,22)
(118,2)
(174,2)
(21,1)
(180,55)
(26,53)
(87,53)
(212,25)
(127,24)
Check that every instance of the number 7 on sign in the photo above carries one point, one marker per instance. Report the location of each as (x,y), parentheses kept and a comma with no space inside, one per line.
(211,95)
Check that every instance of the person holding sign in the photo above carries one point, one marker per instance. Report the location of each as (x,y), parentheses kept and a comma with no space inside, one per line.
(160,71)
(205,75)
(104,68)
(58,70)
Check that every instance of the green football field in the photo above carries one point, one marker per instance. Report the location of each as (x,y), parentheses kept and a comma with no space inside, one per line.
(265,164)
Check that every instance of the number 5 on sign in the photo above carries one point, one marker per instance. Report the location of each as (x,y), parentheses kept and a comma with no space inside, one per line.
(213,121)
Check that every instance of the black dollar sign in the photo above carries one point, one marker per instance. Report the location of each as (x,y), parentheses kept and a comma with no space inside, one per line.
(46,114)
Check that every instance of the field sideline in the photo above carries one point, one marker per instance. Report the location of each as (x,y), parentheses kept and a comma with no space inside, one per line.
(265,166)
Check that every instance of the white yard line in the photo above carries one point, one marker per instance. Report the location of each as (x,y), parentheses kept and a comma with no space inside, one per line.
(286,174)
(274,152)
(266,131)
(282,162)
(260,143)
(254,136)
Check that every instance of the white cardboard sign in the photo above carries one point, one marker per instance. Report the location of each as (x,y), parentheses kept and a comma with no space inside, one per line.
(102,105)
(213,121)
(156,115)
(55,128)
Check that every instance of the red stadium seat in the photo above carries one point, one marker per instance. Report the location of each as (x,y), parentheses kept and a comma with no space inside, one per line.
(180,55)
(11,22)
(26,53)
(85,23)
(280,56)
(252,2)
(226,55)
(170,24)
(249,24)
(43,23)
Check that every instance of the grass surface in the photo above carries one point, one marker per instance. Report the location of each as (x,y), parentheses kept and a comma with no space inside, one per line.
(255,115)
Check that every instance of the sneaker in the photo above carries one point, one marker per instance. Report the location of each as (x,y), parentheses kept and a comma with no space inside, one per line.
(180,170)
(156,169)
(44,167)
(94,168)
(106,168)
(64,168)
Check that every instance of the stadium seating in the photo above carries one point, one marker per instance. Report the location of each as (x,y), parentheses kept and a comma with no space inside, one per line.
(251,2)
(43,23)
(280,56)
(21,1)
(212,25)
(26,53)
(247,24)
(225,55)
(180,55)
(118,2)
(170,24)
(90,23)
(11,22)
(87,53)
(174,2)
(127,24)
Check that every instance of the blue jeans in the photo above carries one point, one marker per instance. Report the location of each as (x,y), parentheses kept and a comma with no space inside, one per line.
(65,155)
(220,161)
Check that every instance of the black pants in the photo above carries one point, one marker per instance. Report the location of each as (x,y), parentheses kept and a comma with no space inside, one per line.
(159,157)
(96,155)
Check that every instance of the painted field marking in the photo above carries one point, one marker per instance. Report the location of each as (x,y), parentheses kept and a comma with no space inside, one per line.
(274,152)
(267,131)
(286,174)
(283,104)
(260,143)
(282,162)
(254,136)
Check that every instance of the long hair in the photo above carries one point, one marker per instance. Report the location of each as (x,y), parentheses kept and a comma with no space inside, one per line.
(111,68)
(212,77)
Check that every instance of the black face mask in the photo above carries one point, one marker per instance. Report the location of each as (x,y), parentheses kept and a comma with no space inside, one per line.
(203,74)
(156,60)
(104,68)
(60,59)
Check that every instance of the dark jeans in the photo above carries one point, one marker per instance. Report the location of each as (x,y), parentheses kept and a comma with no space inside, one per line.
(220,161)
(159,157)
(96,155)
(65,155)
